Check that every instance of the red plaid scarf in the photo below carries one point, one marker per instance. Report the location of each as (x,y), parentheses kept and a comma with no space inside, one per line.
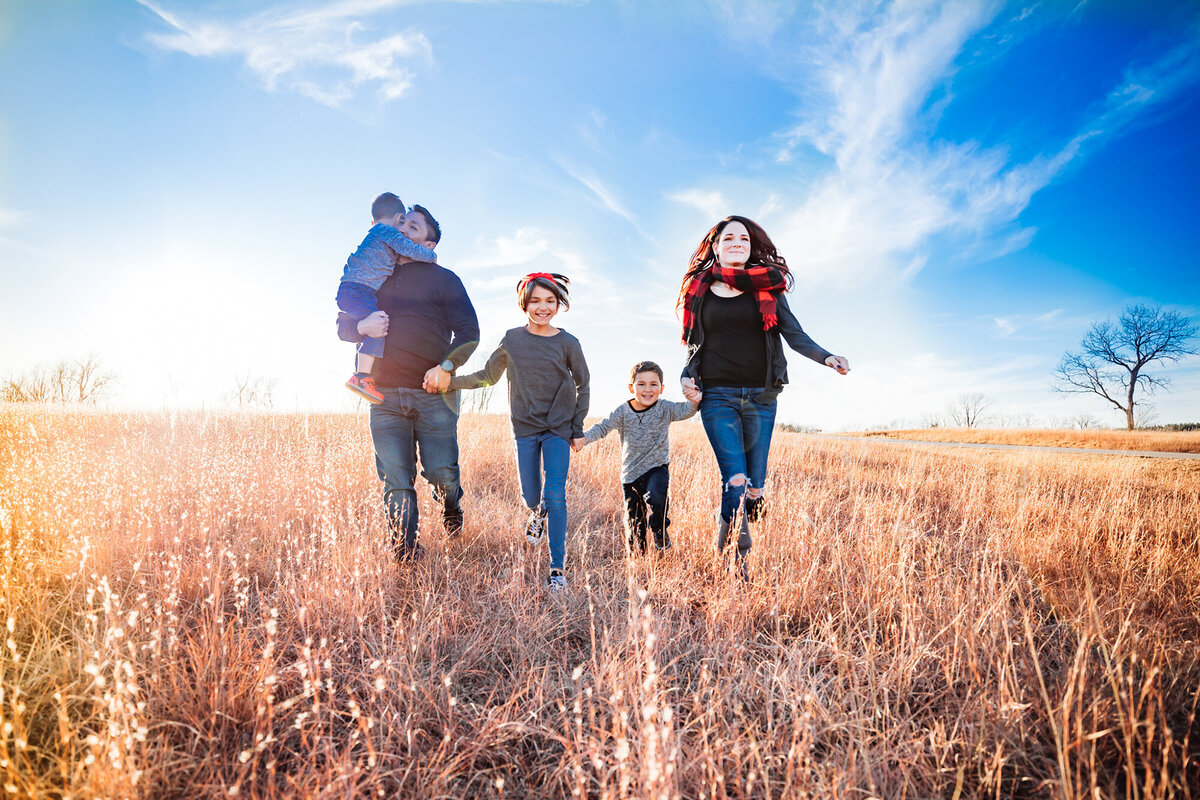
(765,282)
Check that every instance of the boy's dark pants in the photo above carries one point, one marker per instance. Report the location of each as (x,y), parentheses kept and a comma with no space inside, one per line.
(646,507)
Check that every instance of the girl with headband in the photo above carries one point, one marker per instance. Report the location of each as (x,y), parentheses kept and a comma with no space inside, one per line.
(548,399)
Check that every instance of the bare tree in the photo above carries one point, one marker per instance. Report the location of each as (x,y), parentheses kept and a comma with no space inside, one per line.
(1021,419)
(1112,360)
(252,391)
(967,409)
(1146,414)
(61,379)
(32,387)
(83,380)
(89,379)
(1084,422)
(476,401)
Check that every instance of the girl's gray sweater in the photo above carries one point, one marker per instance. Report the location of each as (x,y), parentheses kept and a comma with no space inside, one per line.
(644,441)
(547,382)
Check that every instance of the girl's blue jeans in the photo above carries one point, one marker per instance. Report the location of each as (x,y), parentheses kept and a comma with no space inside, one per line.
(549,456)
(739,430)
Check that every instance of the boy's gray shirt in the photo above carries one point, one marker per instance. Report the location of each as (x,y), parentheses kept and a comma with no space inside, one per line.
(375,259)
(644,441)
(547,382)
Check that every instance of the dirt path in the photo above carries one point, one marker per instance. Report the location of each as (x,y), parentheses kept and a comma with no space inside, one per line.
(1089,451)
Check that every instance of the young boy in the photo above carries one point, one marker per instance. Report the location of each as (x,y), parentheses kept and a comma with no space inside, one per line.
(642,423)
(366,270)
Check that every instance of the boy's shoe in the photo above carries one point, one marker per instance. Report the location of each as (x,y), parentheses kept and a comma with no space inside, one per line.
(557,582)
(756,509)
(535,529)
(664,544)
(363,385)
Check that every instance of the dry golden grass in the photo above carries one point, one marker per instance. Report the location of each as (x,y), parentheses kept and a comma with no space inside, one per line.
(1162,441)
(202,605)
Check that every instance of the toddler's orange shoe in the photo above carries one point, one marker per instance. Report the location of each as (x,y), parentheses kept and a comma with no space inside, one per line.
(364,385)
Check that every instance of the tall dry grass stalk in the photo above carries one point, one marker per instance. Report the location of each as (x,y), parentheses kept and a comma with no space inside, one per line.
(1163,441)
(203,605)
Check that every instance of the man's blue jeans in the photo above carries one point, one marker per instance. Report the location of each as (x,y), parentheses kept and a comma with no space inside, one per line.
(412,422)
(739,431)
(549,454)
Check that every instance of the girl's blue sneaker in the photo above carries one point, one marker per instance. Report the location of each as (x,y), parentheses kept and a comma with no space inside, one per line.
(557,582)
(535,529)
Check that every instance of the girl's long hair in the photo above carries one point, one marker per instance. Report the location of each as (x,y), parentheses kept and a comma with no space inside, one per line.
(762,253)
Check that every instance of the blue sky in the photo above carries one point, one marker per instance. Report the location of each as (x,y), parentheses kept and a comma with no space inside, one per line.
(960,188)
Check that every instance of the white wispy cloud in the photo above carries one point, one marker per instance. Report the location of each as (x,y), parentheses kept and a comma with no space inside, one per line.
(709,202)
(326,52)
(866,74)
(522,246)
(601,193)
(11,218)
(1033,326)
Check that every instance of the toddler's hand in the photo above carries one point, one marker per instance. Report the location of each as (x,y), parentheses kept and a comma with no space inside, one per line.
(577,444)
(375,326)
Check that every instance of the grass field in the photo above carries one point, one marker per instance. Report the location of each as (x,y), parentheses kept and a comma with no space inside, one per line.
(1163,441)
(202,605)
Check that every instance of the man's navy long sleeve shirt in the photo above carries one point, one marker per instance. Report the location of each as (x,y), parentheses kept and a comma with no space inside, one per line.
(430,319)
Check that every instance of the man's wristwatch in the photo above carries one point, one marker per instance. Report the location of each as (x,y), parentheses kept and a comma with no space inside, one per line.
(446,364)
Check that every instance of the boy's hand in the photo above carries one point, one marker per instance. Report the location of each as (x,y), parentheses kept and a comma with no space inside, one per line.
(577,444)
(840,364)
(690,391)
(375,326)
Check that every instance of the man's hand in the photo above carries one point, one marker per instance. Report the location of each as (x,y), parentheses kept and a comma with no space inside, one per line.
(840,364)
(690,392)
(375,326)
(577,444)
(437,380)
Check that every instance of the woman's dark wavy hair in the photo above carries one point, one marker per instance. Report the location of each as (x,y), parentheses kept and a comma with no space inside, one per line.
(762,253)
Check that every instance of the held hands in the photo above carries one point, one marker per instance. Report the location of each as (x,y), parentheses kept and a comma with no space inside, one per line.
(577,444)
(437,380)
(690,392)
(838,363)
(374,326)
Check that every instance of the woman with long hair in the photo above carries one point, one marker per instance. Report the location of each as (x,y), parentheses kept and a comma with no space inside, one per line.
(735,322)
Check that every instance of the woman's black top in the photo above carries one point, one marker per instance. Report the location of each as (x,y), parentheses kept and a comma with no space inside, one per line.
(735,350)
